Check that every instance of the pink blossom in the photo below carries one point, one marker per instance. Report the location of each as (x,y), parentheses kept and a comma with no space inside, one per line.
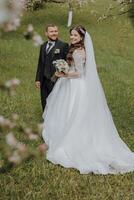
(37,40)
(10,13)
(33,136)
(12,83)
(11,140)
(2,120)
(15,158)
(42,148)
(40,127)
(30,28)
(15,116)
(28,130)
(22,148)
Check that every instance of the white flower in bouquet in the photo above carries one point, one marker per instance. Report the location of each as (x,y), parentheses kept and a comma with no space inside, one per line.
(61,65)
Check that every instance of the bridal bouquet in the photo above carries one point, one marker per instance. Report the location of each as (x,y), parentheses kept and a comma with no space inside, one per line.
(61,66)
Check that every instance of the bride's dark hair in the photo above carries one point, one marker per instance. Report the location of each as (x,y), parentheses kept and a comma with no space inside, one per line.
(81,30)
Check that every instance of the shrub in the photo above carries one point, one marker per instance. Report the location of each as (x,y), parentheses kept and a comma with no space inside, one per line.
(34,4)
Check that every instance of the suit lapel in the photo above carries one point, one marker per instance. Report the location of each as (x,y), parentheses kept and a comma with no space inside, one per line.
(53,49)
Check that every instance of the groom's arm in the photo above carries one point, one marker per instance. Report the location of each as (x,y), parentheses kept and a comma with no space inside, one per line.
(65,50)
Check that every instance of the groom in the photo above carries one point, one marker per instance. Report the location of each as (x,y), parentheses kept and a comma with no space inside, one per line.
(51,50)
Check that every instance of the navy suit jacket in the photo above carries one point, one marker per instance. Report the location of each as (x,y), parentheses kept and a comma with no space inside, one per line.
(45,66)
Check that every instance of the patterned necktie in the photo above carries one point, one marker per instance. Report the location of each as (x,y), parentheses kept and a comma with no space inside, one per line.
(48,47)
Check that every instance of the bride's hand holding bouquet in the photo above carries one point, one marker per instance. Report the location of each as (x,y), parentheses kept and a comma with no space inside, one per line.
(62,68)
(60,74)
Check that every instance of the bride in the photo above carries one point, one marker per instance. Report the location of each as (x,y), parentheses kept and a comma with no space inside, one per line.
(78,126)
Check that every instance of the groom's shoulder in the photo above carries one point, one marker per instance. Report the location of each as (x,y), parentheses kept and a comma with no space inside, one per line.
(62,43)
(44,44)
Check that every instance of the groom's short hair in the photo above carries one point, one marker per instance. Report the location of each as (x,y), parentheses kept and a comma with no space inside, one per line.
(50,25)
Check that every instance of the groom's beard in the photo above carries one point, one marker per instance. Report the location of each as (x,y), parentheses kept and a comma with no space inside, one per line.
(52,39)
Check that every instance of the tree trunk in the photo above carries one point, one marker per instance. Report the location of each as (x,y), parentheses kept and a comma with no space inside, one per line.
(70,16)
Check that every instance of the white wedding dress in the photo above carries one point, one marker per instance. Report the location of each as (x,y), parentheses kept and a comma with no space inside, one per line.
(78,126)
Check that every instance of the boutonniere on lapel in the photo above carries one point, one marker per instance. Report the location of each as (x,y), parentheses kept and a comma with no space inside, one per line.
(57,51)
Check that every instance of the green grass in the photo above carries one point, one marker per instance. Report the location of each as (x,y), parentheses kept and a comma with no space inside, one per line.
(113,43)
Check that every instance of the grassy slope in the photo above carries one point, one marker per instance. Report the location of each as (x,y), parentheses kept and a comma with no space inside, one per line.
(114,54)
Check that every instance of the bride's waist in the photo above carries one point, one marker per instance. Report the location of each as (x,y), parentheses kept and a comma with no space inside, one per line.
(72,79)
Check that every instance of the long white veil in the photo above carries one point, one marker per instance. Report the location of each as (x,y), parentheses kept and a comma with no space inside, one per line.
(94,88)
(97,108)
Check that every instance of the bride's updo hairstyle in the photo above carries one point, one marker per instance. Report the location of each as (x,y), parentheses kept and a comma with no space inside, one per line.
(81,31)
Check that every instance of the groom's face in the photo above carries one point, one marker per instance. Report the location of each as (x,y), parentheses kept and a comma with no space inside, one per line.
(52,33)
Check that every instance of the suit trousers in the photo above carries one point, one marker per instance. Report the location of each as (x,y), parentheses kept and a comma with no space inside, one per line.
(46,88)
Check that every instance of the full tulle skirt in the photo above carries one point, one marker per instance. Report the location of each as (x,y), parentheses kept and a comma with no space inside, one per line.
(81,134)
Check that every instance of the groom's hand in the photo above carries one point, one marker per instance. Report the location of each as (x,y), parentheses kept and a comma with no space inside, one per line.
(37,84)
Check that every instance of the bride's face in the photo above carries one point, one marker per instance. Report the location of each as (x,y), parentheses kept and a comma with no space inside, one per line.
(75,37)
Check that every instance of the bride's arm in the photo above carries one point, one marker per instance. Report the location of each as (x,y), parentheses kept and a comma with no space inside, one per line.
(79,63)
(68,75)
(72,75)
(59,74)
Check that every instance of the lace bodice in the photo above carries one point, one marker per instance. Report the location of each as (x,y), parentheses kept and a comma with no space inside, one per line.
(79,61)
